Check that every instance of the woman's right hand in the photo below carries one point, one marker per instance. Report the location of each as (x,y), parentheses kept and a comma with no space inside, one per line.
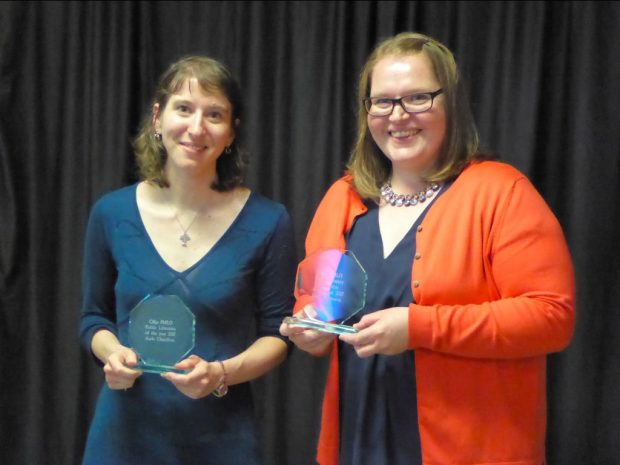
(117,369)
(314,342)
(117,360)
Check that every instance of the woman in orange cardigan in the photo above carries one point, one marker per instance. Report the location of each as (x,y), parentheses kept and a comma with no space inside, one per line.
(470,281)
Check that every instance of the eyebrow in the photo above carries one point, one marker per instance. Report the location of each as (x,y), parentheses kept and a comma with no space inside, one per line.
(181,100)
(404,94)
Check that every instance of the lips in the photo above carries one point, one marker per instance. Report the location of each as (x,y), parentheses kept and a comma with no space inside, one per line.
(404,134)
(193,147)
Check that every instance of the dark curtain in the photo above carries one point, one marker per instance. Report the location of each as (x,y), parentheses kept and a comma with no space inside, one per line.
(75,78)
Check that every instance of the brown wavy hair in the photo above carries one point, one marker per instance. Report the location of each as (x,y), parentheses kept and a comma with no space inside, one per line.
(368,165)
(211,75)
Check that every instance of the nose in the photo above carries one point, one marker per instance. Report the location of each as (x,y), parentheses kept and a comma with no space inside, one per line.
(398,112)
(196,126)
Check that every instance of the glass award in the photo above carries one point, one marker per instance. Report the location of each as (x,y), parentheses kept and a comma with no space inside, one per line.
(162,332)
(334,283)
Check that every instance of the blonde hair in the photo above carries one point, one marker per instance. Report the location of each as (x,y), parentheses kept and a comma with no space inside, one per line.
(368,165)
(211,75)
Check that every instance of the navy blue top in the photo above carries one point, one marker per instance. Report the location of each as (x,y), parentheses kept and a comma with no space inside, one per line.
(378,402)
(241,289)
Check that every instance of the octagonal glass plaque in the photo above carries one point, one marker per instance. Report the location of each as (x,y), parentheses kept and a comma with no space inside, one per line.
(162,332)
(336,283)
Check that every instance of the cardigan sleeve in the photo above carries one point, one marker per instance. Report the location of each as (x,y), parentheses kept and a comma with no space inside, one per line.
(505,286)
(333,217)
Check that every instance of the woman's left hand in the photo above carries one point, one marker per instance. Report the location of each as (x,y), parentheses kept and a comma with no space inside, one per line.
(383,332)
(201,379)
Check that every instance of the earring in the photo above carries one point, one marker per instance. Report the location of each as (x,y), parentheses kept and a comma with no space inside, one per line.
(157,136)
(228,150)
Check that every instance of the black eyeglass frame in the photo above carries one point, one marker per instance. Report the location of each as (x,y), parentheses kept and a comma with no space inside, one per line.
(367,102)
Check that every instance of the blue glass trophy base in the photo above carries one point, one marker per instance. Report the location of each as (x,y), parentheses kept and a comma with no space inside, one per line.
(311,323)
(157,369)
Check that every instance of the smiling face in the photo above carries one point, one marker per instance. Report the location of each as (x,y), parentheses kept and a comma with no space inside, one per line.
(411,141)
(196,127)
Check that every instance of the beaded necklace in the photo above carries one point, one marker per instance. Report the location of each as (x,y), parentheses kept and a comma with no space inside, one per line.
(407,200)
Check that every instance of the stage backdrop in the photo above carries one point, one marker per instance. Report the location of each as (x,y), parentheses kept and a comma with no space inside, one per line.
(76,76)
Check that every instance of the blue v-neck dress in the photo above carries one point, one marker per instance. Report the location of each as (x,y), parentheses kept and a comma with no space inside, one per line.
(241,289)
(378,402)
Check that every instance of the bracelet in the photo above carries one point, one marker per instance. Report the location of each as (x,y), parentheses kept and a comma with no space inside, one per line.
(222,389)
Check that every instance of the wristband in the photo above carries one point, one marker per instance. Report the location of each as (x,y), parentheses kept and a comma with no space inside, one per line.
(222,389)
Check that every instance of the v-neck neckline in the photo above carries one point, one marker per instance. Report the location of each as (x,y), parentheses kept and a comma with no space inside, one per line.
(200,258)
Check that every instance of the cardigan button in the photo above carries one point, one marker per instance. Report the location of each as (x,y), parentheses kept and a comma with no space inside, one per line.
(419,228)
(418,255)
(416,284)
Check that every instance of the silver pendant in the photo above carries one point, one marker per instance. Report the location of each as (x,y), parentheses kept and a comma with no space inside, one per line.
(185,239)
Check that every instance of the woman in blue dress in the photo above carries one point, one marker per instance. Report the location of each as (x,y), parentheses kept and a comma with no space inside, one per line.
(189,229)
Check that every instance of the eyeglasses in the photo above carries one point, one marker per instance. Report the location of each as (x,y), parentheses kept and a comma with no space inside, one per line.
(414,103)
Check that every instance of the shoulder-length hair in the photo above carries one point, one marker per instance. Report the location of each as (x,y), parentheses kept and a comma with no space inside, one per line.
(211,75)
(368,165)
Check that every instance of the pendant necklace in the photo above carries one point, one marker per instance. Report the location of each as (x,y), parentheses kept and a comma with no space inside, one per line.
(185,238)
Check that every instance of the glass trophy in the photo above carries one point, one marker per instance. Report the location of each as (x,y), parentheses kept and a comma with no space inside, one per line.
(334,283)
(162,332)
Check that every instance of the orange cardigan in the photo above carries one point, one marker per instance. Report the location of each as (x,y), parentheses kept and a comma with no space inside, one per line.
(494,290)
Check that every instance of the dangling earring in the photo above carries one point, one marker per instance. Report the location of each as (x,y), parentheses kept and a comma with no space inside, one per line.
(228,150)
(157,136)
